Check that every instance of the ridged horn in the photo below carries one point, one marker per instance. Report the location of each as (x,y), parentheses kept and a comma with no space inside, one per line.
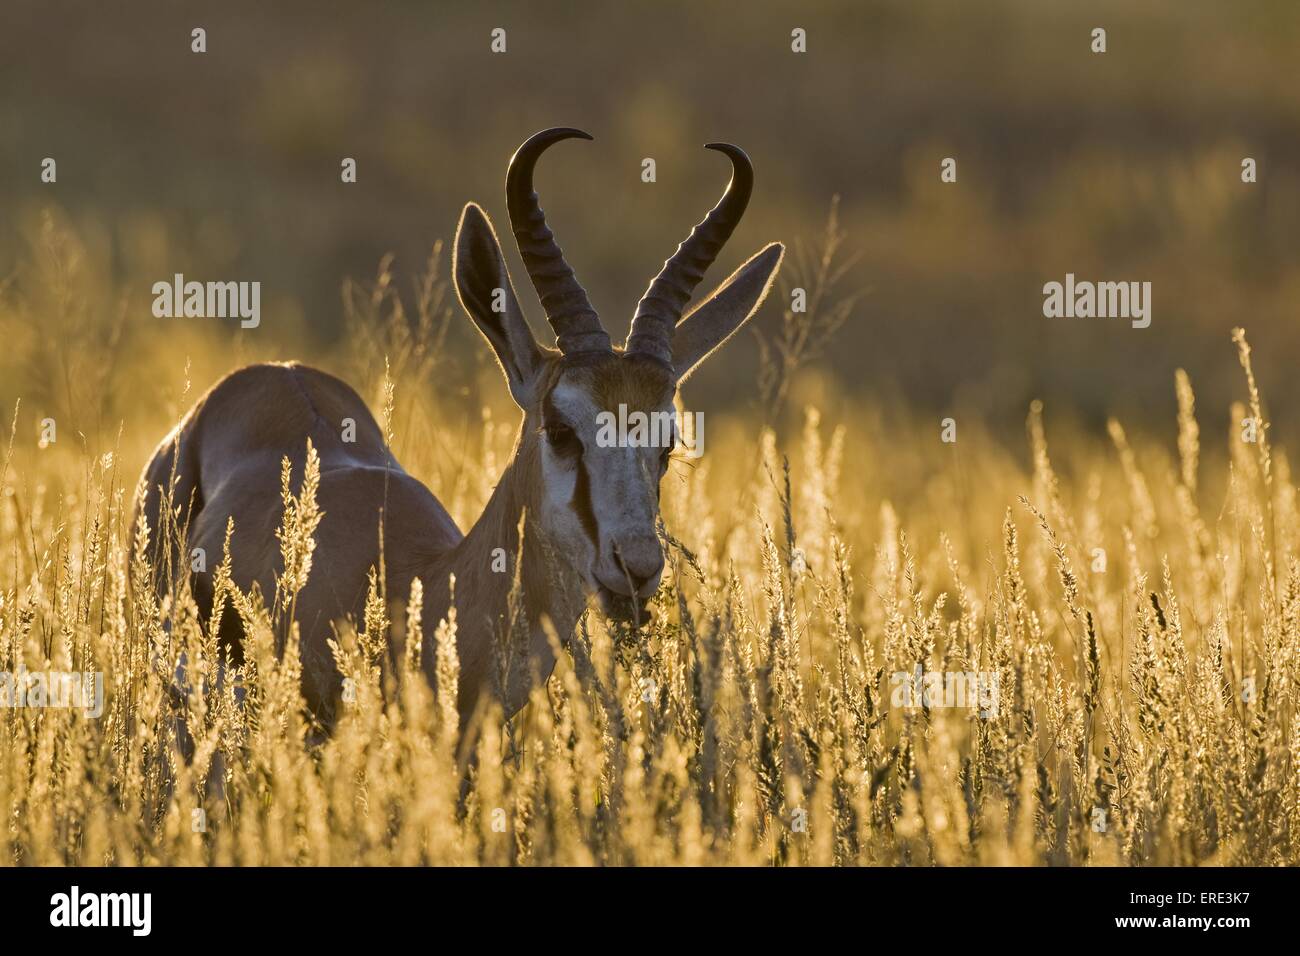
(660,309)
(564,300)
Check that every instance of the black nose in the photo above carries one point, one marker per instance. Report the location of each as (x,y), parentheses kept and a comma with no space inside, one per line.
(641,565)
(641,580)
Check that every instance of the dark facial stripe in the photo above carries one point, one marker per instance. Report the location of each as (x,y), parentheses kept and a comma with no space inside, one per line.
(582,504)
(581,501)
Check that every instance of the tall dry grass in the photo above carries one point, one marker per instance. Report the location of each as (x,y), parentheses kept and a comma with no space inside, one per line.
(1141,620)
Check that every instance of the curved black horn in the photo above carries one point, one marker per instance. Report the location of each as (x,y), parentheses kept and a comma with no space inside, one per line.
(577,327)
(661,307)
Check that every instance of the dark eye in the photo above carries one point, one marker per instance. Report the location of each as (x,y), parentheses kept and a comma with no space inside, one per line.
(562,438)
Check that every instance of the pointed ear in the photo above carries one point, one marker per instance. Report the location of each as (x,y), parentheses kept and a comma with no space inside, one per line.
(730,306)
(484,288)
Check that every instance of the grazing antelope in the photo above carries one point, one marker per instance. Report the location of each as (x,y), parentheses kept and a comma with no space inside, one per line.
(590,511)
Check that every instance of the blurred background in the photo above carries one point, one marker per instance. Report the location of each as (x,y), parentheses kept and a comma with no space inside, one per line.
(226,166)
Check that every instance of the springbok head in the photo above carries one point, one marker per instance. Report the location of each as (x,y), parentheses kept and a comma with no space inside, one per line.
(599,499)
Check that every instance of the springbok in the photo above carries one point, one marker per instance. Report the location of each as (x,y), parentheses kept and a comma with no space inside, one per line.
(589,511)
